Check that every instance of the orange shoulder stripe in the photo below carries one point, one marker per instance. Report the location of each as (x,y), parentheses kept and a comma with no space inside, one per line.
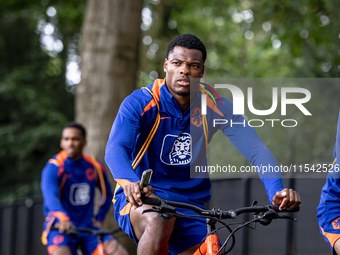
(99,171)
(61,156)
(54,161)
(60,159)
(94,162)
(58,164)
(156,92)
(87,158)
(60,171)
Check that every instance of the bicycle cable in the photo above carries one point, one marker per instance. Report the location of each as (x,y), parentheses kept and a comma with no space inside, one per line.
(234,231)
(224,225)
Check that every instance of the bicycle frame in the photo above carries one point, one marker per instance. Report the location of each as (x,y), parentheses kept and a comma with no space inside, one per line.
(100,250)
(210,246)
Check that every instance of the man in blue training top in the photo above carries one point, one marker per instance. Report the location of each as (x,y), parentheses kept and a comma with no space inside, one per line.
(68,185)
(170,154)
(329,210)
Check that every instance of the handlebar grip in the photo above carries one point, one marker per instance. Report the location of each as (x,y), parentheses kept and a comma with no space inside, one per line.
(276,209)
(71,232)
(151,201)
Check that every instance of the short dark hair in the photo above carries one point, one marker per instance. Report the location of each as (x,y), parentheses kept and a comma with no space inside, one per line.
(77,126)
(187,41)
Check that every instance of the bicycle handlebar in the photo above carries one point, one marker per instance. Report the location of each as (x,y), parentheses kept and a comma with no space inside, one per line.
(91,231)
(230,214)
(262,214)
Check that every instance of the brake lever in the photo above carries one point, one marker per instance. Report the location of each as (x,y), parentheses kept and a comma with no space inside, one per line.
(267,217)
(164,210)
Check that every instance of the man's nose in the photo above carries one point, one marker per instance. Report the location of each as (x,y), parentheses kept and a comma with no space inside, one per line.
(69,142)
(184,69)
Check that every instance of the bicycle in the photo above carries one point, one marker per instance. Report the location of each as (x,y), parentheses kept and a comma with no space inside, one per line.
(100,233)
(210,245)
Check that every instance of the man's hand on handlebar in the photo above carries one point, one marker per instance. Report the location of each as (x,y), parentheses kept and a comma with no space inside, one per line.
(64,226)
(97,224)
(133,194)
(287,199)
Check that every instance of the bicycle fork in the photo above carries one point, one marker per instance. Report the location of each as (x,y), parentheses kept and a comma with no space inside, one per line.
(211,244)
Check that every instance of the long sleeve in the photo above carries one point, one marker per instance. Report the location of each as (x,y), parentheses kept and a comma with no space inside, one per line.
(104,208)
(50,191)
(330,194)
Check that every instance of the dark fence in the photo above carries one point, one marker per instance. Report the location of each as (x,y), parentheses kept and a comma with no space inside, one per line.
(21,223)
(21,227)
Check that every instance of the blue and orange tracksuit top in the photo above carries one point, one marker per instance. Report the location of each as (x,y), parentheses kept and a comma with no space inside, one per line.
(329,207)
(175,147)
(68,188)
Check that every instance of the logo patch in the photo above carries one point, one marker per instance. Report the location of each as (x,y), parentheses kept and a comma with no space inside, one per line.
(176,150)
(336,223)
(58,239)
(89,174)
(80,194)
(196,117)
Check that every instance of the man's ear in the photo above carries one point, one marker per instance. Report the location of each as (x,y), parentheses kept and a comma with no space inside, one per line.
(165,65)
(202,71)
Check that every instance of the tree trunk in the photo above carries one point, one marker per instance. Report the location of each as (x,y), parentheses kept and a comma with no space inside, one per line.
(109,60)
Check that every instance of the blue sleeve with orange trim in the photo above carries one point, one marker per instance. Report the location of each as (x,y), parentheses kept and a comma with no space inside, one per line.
(50,191)
(122,139)
(104,208)
(328,211)
(330,195)
(127,132)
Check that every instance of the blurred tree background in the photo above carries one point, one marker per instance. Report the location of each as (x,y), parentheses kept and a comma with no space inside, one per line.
(39,68)
(37,44)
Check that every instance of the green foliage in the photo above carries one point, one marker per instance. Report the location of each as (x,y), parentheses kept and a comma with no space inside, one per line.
(307,32)
(244,39)
(261,39)
(33,100)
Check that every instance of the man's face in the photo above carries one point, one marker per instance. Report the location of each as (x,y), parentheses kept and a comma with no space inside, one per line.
(181,65)
(73,142)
